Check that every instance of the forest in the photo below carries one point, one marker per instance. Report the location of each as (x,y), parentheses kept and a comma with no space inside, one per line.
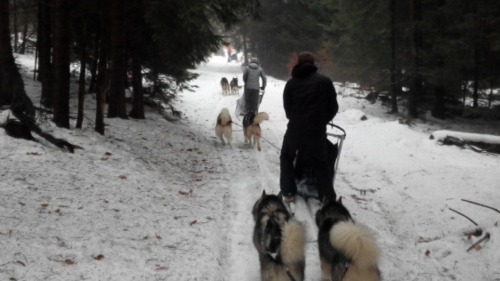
(417,55)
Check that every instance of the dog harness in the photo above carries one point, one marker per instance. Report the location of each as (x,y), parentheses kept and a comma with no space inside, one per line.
(278,260)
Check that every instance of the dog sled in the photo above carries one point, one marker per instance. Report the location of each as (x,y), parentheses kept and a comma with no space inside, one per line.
(240,104)
(305,177)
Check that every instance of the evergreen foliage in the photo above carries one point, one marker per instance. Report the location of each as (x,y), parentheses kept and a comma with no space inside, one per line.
(444,50)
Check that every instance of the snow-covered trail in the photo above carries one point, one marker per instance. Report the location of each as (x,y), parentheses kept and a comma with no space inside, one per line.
(121,208)
(393,179)
(249,171)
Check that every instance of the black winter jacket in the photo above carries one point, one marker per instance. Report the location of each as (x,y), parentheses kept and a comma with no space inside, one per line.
(310,100)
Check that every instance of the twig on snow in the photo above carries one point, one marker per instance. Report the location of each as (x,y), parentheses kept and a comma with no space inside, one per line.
(486,237)
(463,216)
(482,205)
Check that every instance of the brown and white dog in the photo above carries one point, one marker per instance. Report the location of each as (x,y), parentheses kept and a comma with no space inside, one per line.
(224,127)
(224,83)
(235,88)
(251,127)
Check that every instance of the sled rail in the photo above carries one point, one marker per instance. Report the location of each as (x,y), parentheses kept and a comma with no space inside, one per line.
(340,138)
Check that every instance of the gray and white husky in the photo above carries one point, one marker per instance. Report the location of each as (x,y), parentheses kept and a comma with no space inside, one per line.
(347,251)
(279,240)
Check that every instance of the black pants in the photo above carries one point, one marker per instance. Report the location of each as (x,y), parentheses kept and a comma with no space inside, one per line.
(251,100)
(316,149)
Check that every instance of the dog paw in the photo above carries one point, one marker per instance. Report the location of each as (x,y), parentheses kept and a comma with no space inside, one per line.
(258,148)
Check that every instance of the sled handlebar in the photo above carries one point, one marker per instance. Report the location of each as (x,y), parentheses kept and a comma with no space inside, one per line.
(340,136)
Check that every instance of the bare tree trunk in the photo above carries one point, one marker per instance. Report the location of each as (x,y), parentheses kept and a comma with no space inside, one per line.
(93,68)
(14,24)
(136,42)
(81,83)
(490,97)
(245,50)
(22,48)
(21,106)
(475,95)
(116,105)
(102,80)
(394,90)
(416,82)
(439,108)
(61,75)
(45,68)
(6,58)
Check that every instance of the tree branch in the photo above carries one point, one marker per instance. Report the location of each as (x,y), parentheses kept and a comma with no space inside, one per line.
(463,216)
(486,237)
(481,205)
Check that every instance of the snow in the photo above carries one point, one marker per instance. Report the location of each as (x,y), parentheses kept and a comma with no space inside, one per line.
(442,134)
(155,200)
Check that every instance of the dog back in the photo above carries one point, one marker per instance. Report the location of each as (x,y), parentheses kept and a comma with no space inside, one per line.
(224,81)
(348,251)
(248,119)
(224,117)
(234,82)
(279,240)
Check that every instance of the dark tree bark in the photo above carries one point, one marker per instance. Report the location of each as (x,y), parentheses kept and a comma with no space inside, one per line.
(14,24)
(102,80)
(394,90)
(117,106)
(22,48)
(245,50)
(135,43)
(93,68)
(416,81)
(438,109)
(475,95)
(490,96)
(21,106)
(6,58)
(61,57)
(44,45)
(81,82)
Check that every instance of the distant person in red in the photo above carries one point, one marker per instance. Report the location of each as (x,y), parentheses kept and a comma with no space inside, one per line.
(229,51)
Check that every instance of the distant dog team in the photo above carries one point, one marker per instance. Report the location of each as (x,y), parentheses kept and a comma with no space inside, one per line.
(251,127)
(230,88)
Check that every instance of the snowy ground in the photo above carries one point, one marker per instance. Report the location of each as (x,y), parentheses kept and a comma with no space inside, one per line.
(154,200)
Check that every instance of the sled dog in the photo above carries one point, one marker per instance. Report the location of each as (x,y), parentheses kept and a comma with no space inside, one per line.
(279,240)
(235,89)
(251,127)
(223,127)
(347,251)
(225,86)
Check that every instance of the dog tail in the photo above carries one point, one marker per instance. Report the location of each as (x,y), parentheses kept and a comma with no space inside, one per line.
(260,117)
(357,243)
(293,241)
(225,117)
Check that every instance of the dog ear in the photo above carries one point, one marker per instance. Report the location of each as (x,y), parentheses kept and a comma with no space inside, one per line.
(263,193)
(280,196)
(339,200)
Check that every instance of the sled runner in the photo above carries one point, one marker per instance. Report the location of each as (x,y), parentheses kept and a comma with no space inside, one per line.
(240,104)
(305,177)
